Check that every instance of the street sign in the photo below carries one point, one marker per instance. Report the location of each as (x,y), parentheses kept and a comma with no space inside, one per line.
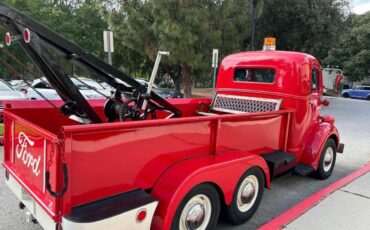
(108,41)
(215,58)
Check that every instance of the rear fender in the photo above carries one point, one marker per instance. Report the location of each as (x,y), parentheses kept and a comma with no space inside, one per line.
(322,132)
(222,170)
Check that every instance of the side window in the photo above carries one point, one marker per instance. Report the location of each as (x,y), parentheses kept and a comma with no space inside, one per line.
(367,88)
(315,80)
(254,75)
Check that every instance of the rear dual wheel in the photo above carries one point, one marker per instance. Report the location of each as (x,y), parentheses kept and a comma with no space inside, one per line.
(200,208)
(247,196)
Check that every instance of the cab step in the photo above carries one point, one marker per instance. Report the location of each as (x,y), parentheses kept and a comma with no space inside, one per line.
(303,170)
(279,162)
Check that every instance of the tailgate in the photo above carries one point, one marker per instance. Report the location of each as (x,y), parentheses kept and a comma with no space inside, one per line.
(30,152)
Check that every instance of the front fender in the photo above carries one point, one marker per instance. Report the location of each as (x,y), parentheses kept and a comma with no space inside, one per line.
(317,139)
(223,170)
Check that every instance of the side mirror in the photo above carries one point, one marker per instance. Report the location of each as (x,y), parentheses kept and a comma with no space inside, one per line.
(325,103)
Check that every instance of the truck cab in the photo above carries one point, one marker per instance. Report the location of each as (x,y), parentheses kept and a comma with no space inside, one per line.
(292,77)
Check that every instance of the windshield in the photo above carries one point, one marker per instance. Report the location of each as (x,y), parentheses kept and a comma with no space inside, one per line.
(4,87)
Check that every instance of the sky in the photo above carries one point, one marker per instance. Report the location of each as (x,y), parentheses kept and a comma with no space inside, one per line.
(360,6)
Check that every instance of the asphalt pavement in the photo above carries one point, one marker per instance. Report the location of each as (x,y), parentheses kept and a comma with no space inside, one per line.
(353,123)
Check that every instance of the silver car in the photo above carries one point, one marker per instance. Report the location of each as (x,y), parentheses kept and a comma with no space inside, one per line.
(8,93)
(88,88)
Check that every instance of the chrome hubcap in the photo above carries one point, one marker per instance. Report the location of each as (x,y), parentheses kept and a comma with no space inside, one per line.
(247,193)
(328,159)
(196,213)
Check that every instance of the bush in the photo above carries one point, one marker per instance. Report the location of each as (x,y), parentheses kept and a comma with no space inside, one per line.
(1,129)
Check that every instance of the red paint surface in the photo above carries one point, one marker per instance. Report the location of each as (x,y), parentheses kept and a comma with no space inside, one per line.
(29,142)
(297,210)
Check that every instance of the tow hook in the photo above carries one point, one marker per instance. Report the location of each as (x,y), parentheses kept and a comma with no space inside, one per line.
(30,218)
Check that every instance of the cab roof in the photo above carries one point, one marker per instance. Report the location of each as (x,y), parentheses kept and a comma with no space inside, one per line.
(270,57)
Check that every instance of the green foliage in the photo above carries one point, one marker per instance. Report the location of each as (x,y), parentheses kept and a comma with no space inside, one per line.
(353,50)
(1,129)
(188,29)
(79,21)
(191,29)
(310,26)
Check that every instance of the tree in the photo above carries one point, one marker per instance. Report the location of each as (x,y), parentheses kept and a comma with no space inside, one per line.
(310,26)
(353,50)
(79,21)
(188,29)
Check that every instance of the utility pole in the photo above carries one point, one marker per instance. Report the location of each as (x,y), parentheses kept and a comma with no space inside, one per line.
(254,3)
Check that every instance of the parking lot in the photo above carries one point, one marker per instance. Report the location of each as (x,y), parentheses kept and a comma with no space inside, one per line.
(352,120)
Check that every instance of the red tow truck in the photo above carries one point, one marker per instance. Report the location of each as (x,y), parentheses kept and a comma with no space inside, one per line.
(147,163)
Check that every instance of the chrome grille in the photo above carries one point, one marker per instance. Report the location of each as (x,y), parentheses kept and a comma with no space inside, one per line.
(240,104)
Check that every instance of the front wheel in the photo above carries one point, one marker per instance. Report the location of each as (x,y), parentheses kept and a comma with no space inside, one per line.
(199,210)
(327,160)
(247,196)
(345,95)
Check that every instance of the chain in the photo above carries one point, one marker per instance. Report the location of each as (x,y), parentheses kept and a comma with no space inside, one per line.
(92,88)
(52,153)
(56,145)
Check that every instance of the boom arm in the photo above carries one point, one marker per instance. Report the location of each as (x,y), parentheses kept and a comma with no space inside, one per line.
(43,40)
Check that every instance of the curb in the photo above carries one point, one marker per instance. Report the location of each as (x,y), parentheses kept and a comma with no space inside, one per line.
(303,206)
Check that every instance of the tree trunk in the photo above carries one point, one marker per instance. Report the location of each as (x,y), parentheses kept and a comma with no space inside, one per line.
(186,76)
(176,82)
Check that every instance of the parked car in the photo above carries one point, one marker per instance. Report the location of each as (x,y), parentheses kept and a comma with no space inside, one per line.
(360,91)
(22,86)
(163,92)
(8,93)
(14,82)
(87,87)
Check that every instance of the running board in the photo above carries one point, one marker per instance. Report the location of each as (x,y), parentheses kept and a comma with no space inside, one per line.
(303,170)
(279,162)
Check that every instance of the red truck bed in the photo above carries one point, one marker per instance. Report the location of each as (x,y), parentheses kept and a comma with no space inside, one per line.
(112,158)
